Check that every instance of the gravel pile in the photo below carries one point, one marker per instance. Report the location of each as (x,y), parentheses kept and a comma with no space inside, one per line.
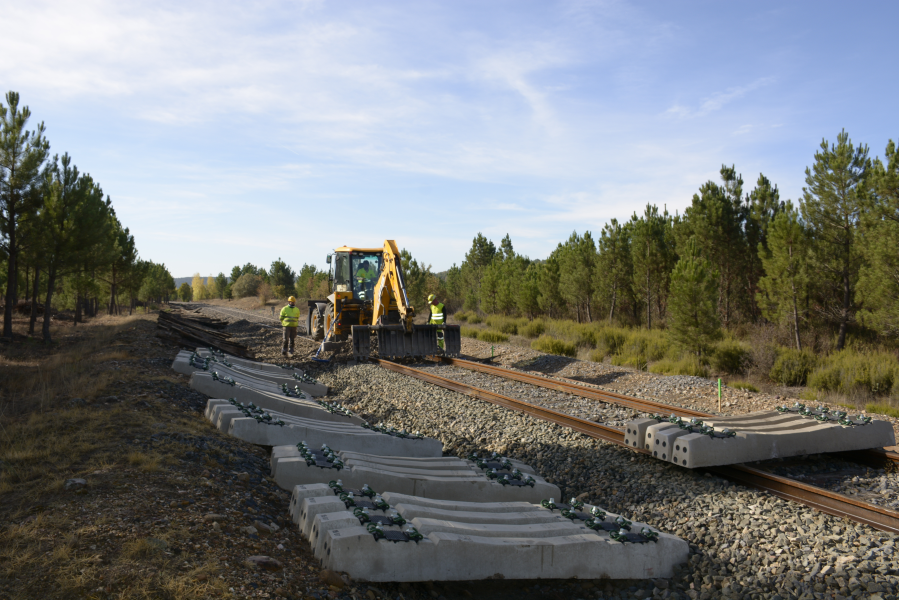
(744,543)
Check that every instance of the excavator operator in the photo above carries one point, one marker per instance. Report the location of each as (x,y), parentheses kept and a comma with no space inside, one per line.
(365,278)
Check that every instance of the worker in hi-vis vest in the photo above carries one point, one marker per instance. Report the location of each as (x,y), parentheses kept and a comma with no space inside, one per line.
(438,317)
(290,318)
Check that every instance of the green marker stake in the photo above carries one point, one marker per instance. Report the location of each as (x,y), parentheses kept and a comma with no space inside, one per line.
(719,395)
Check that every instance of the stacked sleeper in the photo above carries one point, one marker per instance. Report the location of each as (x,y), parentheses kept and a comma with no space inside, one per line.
(400,537)
(756,436)
(446,478)
(231,419)
(217,385)
(264,375)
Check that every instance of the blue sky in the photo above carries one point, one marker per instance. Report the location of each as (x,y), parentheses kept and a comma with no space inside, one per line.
(233,132)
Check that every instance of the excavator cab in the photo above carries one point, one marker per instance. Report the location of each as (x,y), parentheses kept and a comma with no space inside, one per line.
(366,268)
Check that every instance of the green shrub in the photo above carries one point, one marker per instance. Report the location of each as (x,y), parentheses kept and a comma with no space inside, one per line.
(792,367)
(494,337)
(729,356)
(883,409)
(641,347)
(246,285)
(532,329)
(505,324)
(609,340)
(742,385)
(474,319)
(689,365)
(629,360)
(471,332)
(849,370)
(550,345)
(585,336)
(461,316)
(597,356)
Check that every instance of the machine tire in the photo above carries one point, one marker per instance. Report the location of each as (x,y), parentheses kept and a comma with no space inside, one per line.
(316,322)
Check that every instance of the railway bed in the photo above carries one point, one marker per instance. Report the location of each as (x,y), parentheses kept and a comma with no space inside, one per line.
(742,541)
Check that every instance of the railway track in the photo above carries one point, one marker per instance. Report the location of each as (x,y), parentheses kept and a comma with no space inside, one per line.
(648,406)
(820,499)
(814,497)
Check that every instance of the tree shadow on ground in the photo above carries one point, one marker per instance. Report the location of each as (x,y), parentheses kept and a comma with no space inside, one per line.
(602,379)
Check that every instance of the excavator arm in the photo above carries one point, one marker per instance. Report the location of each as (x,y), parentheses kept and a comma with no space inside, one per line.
(392,320)
(390,290)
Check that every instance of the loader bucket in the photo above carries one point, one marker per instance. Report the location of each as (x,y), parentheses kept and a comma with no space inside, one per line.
(395,342)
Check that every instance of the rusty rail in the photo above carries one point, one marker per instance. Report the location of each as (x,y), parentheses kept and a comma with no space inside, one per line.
(820,499)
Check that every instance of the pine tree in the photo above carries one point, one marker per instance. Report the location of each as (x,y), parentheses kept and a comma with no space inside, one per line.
(831,204)
(74,220)
(280,274)
(120,260)
(489,289)
(477,259)
(221,285)
(693,322)
(528,297)
(22,154)
(185,293)
(878,285)
(550,300)
(783,288)
(761,207)
(577,260)
(614,266)
(715,219)
(652,255)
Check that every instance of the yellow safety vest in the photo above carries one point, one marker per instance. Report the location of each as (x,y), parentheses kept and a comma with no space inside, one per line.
(290,316)
(437,316)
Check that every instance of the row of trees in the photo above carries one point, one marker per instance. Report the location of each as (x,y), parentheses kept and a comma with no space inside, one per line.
(60,237)
(245,281)
(732,257)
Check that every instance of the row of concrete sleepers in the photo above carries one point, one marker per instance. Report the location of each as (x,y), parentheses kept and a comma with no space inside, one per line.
(386,505)
(781,433)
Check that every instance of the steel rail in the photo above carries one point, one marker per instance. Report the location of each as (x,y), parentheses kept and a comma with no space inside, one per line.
(820,499)
(574,389)
(873,456)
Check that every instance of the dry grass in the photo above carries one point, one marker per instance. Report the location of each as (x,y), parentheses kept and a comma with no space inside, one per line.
(147,463)
(46,439)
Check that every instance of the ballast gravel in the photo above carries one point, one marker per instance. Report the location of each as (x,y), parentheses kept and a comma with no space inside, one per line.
(745,544)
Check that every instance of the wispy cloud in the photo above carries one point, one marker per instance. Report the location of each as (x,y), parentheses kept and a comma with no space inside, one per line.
(717,101)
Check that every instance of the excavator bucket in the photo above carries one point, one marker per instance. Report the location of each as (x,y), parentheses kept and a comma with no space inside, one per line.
(395,342)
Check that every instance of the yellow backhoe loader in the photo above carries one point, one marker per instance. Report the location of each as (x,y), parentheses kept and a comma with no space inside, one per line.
(368,296)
